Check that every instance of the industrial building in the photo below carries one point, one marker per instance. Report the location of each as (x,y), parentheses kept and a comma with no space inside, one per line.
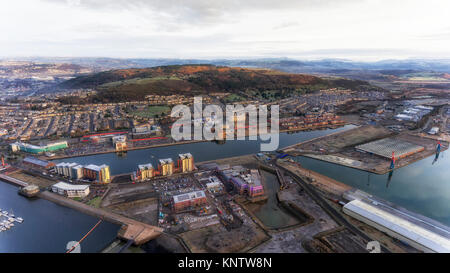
(34,149)
(166,166)
(186,162)
(414,113)
(98,174)
(187,200)
(246,182)
(38,163)
(423,234)
(70,190)
(385,147)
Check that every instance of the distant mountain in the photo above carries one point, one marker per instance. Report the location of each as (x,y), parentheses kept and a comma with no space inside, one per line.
(384,70)
(133,84)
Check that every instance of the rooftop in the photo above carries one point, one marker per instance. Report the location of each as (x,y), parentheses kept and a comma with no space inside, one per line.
(188,196)
(385,147)
(67,186)
(427,235)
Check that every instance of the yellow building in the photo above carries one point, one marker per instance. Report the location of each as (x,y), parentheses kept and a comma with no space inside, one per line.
(166,166)
(186,162)
(120,143)
(146,171)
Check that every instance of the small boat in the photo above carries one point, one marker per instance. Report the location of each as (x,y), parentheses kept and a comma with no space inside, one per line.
(10,219)
(5,212)
(19,220)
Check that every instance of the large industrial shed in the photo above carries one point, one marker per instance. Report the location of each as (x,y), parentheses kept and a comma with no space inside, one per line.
(384,148)
(418,233)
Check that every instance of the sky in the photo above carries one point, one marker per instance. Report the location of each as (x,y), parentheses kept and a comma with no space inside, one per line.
(204,29)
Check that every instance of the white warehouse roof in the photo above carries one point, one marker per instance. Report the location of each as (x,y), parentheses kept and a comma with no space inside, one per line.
(419,236)
(70,187)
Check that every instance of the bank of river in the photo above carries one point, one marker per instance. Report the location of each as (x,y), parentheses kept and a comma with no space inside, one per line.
(423,186)
(48,227)
(202,151)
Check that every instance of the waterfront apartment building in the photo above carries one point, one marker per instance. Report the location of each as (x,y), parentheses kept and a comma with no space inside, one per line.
(166,166)
(35,149)
(145,171)
(186,162)
(120,143)
(98,174)
(70,190)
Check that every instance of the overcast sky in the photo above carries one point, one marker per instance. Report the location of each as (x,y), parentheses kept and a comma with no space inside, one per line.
(304,29)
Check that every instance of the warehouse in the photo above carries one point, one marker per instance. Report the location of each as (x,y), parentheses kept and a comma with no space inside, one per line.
(186,200)
(385,147)
(419,233)
(37,163)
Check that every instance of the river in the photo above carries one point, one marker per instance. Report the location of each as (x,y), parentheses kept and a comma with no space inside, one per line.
(422,187)
(48,227)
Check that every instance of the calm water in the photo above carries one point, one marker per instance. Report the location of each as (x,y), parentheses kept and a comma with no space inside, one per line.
(422,187)
(202,151)
(270,212)
(48,227)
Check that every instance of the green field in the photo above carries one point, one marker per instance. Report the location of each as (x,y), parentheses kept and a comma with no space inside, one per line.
(152,111)
(233,98)
(138,81)
(95,202)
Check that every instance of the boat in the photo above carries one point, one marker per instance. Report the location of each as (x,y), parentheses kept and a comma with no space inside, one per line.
(5,213)
(10,219)
(19,220)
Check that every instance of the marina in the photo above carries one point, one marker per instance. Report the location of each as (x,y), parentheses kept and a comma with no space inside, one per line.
(7,220)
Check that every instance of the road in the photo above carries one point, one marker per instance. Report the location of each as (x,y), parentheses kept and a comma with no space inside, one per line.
(50,126)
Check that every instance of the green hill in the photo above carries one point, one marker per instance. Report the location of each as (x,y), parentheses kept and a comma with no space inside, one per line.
(133,84)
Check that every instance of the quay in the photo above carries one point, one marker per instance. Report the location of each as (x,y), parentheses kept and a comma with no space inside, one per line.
(131,230)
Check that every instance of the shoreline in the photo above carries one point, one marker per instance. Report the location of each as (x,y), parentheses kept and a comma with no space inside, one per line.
(56,157)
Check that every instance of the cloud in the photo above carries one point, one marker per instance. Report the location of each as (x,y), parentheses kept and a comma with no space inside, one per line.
(226,28)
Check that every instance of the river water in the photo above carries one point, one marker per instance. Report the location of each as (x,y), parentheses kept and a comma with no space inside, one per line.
(422,187)
(48,227)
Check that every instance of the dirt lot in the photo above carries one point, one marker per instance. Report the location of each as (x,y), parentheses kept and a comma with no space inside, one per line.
(217,239)
(40,181)
(336,142)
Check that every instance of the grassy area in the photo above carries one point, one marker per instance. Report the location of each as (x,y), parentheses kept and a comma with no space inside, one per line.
(233,98)
(153,111)
(95,202)
(138,81)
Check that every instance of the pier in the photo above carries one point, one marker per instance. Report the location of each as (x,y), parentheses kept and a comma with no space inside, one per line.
(136,231)
(131,229)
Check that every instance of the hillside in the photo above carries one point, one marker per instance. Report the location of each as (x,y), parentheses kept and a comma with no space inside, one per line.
(134,84)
